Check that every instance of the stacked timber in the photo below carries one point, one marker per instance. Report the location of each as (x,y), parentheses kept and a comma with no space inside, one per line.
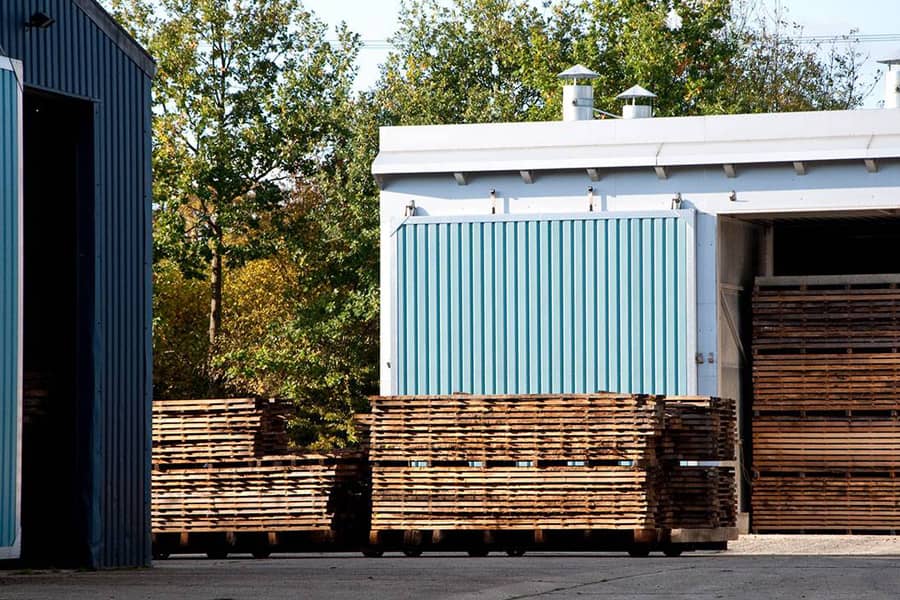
(826,370)
(227,466)
(218,430)
(308,493)
(697,446)
(591,461)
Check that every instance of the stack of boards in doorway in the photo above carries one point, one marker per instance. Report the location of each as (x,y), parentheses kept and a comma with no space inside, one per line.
(826,378)
(549,463)
(226,480)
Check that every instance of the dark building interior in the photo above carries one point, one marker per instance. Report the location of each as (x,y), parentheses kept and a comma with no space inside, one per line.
(58,217)
(837,246)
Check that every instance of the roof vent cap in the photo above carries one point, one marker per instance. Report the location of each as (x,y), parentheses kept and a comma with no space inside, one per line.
(892,81)
(638,103)
(578,100)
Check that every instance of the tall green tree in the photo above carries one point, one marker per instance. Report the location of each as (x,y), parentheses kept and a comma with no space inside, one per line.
(246,104)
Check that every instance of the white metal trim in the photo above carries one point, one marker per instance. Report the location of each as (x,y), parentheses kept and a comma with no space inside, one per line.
(395,225)
(690,218)
(581,216)
(7,64)
(17,67)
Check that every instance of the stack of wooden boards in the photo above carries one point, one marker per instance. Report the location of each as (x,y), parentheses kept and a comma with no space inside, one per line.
(226,466)
(589,462)
(826,437)
(698,432)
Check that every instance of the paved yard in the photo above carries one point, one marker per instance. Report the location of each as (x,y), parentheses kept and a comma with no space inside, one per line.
(455,576)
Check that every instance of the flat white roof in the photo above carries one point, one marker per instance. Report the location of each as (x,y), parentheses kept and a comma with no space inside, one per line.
(656,142)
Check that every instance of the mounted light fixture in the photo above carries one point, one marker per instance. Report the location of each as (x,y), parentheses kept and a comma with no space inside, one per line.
(39,20)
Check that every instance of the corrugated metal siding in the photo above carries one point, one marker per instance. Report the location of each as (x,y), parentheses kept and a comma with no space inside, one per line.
(9,311)
(76,58)
(543,306)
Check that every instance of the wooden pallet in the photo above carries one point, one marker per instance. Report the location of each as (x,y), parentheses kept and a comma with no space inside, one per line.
(567,462)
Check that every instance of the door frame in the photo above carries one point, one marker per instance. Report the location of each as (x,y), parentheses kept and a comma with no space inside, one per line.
(15,66)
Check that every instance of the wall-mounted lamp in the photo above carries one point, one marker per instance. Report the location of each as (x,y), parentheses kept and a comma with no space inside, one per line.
(676,202)
(591,198)
(410,209)
(493,202)
(39,20)
(733,196)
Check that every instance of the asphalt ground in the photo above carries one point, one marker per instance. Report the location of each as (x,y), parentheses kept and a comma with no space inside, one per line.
(497,577)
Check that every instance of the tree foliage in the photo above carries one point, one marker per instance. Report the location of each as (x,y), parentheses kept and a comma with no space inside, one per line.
(180,344)
(498,60)
(245,104)
(265,212)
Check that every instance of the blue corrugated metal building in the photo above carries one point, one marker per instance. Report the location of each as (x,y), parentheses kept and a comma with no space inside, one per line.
(75,287)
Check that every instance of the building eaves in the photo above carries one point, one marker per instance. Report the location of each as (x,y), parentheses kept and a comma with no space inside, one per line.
(661,142)
(114,31)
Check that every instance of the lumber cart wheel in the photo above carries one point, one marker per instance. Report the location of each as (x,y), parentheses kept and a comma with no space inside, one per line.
(479,552)
(412,552)
(262,553)
(217,554)
(160,555)
(515,551)
(673,549)
(639,550)
(373,552)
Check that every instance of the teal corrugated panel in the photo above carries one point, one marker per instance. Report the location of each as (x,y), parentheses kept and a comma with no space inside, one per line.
(9,312)
(537,306)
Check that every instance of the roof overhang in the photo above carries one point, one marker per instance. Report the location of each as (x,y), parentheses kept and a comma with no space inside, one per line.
(727,140)
(120,37)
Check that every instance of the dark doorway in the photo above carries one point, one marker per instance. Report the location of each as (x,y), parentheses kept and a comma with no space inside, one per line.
(837,246)
(58,237)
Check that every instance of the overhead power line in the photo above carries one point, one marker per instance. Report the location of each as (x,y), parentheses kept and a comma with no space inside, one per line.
(870,38)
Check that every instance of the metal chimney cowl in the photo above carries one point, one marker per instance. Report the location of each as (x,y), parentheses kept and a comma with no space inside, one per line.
(892,81)
(638,103)
(578,100)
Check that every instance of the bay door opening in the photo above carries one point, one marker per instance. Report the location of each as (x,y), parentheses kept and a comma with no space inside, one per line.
(58,303)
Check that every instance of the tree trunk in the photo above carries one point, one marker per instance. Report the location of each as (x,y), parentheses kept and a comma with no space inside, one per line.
(215,304)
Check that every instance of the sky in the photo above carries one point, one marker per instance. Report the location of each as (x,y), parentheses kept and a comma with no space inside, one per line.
(377,20)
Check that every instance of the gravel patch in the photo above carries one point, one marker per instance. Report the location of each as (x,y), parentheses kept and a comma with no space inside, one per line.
(816,545)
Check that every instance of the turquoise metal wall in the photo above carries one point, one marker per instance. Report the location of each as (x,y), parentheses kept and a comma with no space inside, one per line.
(555,305)
(88,56)
(10,417)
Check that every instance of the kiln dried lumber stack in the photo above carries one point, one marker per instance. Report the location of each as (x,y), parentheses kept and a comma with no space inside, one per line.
(236,429)
(308,493)
(698,428)
(510,428)
(700,432)
(594,461)
(227,466)
(826,370)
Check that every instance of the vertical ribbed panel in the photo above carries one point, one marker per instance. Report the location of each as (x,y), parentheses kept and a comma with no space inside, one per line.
(9,313)
(543,306)
(76,58)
